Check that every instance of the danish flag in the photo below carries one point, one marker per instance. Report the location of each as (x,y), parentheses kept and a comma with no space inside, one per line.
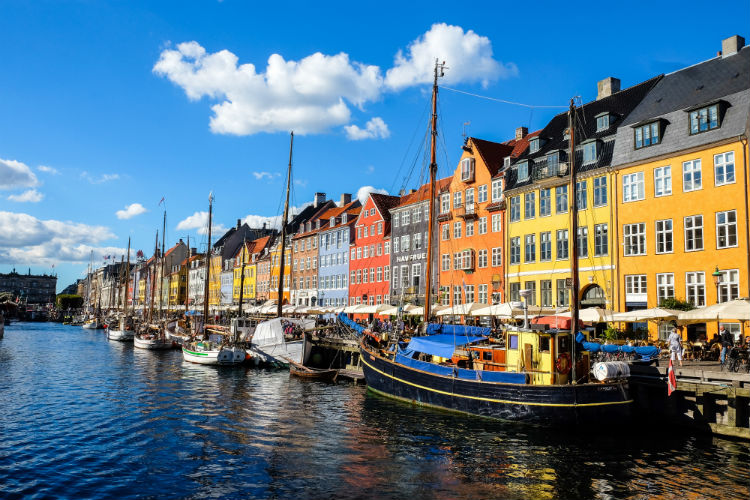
(671,379)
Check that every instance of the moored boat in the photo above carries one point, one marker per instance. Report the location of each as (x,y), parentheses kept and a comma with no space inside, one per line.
(211,353)
(124,331)
(152,338)
(309,373)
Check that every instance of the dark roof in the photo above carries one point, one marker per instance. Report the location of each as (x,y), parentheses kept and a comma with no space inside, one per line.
(618,105)
(384,203)
(700,83)
(309,212)
(233,242)
(492,153)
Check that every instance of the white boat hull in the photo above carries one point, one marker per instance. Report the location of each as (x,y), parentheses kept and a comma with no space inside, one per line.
(277,354)
(153,344)
(213,356)
(121,335)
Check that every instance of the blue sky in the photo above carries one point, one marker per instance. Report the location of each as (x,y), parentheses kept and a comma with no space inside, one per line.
(105,105)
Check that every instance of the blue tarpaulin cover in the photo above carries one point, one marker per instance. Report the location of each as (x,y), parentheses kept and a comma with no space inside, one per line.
(462,373)
(457,329)
(441,345)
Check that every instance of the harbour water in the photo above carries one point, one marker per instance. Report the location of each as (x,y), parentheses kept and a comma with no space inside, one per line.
(82,417)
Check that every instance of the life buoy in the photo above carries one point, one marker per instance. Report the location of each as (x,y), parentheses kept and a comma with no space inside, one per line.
(563,363)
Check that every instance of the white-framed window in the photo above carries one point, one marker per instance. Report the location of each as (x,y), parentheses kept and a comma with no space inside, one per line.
(726,229)
(515,250)
(482,299)
(469,292)
(695,288)
(583,241)
(405,218)
(729,289)
(589,152)
(664,287)
(380,227)
(372,275)
(515,209)
(634,238)
(545,202)
(545,287)
(563,295)
(445,203)
(693,233)
(365,252)
(457,295)
(386,273)
(523,171)
(405,241)
(602,123)
(691,175)
(457,229)
(530,248)
(469,228)
(483,225)
(663,181)
(416,274)
(497,223)
(636,288)
(458,198)
(416,215)
(482,258)
(545,246)
(600,191)
(497,256)
(445,231)
(724,168)
(529,205)
(387,247)
(601,240)
(417,239)
(497,189)
(445,262)
(561,199)
(354,254)
(632,187)
(534,145)
(396,244)
(582,194)
(562,244)
(467,170)
(482,193)
(664,237)
(469,196)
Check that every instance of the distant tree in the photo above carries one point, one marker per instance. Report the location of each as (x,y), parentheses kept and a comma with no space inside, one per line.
(676,304)
(69,301)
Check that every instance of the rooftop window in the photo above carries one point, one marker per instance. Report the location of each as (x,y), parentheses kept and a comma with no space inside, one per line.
(534,145)
(704,119)
(602,122)
(647,135)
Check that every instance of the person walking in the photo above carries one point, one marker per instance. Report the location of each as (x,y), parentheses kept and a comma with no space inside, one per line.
(727,340)
(675,345)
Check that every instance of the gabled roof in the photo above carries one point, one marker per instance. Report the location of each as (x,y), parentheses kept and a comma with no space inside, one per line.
(423,193)
(492,153)
(384,203)
(352,211)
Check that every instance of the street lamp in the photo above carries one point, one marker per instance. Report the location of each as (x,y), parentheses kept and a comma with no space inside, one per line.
(717,281)
(525,294)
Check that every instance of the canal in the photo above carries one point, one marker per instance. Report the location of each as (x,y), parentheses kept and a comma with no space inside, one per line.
(82,417)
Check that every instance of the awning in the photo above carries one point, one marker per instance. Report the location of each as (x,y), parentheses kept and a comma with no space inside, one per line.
(559,322)
(441,345)
(731,310)
(654,314)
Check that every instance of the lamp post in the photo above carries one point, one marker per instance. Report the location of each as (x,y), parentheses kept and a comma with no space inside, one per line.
(717,281)
(525,294)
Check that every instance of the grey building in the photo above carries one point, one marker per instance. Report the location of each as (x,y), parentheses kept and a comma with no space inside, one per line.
(30,288)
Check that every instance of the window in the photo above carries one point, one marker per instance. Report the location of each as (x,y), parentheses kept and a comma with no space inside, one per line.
(695,288)
(724,168)
(497,223)
(561,199)
(359,276)
(562,294)
(662,181)
(704,119)
(664,287)
(515,250)
(469,229)
(635,284)
(354,254)
(482,294)
(589,152)
(396,244)
(729,289)
(456,295)
(366,252)
(365,231)
(467,170)
(546,292)
(482,193)
(457,229)
(405,218)
(664,236)
(523,171)
(529,205)
(632,187)
(545,202)
(515,292)
(497,257)
(515,209)
(445,231)
(469,292)
(647,135)
(457,260)
(364,276)
(482,258)
(380,249)
(545,246)
(417,215)
(531,287)
(600,191)
(601,240)
(387,248)
(458,199)
(417,241)
(405,240)
(726,229)
(562,244)
(553,164)
(380,227)
(583,242)
(483,225)
(470,196)
(691,176)
(693,233)
(602,123)
(497,190)
(372,275)
(445,262)
(582,195)
(534,145)
(445,203)
(387,273)
(530,248)
(634,238)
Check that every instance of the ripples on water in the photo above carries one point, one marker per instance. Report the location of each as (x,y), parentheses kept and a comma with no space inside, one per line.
(82,417)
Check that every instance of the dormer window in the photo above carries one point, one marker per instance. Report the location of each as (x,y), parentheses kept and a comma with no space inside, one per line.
(602,122)
(647,135)
(534,145)
(467,170)
(523,171)
(704,119)
(590,152)
(553,161)
(343,218)
(317,224)
(332,222)
(506,162)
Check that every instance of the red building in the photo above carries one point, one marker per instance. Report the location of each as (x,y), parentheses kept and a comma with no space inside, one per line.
(370,254)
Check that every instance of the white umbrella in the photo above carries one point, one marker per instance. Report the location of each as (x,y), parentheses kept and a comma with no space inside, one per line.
(591,315)
(461,309)
(352,309)
(733,309)
(374,309)
(419,310)
(653,314)
(511,309)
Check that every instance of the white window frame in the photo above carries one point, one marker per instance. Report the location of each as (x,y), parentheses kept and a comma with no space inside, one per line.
(497,257)
(729,289)
(633,187)
(725,228)
(482,193)
(721,162)
(634,239)
(661,233)
(600,185)
(695,287)
(664,287)
(662,181)
(693,224)
(497,190)
(692,176)
(483,225)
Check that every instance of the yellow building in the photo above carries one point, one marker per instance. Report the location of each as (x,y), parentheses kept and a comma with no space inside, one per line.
(214,281)
(275,271)
(539,203)
(681,177)
(178,284)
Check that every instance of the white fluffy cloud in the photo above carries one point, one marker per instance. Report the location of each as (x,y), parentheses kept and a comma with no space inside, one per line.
(364,192)
(374,129)
(314,94)
(467,55)
(199,221)
(28,196)
(24,239)
(100,179)
(265,175)
(131,211)
(274,221)
(48,170)
(16,175)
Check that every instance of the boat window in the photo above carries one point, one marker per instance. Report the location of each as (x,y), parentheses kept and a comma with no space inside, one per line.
(512,341)
(544,344)
(563,343)
(486,355)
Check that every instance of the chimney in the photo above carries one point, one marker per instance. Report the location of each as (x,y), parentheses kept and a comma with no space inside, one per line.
(239,223)
(319,199)
(607,87)
(521,133)
(732,45)
(401,192)
(180,243)
(346,198)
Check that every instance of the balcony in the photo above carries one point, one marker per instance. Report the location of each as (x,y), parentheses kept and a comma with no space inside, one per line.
(546,170)
(468,211)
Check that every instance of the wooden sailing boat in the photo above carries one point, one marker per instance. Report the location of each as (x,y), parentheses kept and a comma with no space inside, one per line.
(505,382)
(211,350)
(124,331)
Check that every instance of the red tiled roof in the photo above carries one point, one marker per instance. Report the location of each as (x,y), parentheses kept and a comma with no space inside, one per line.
(492,153)
(384,202)
(423,193)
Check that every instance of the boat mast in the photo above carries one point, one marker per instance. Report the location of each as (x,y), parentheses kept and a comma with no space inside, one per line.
(572,192)
(127,278)
(153,278)
(242,279)
(433,174)
(283,229)
(161,280)
(187,277)
(208,262)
